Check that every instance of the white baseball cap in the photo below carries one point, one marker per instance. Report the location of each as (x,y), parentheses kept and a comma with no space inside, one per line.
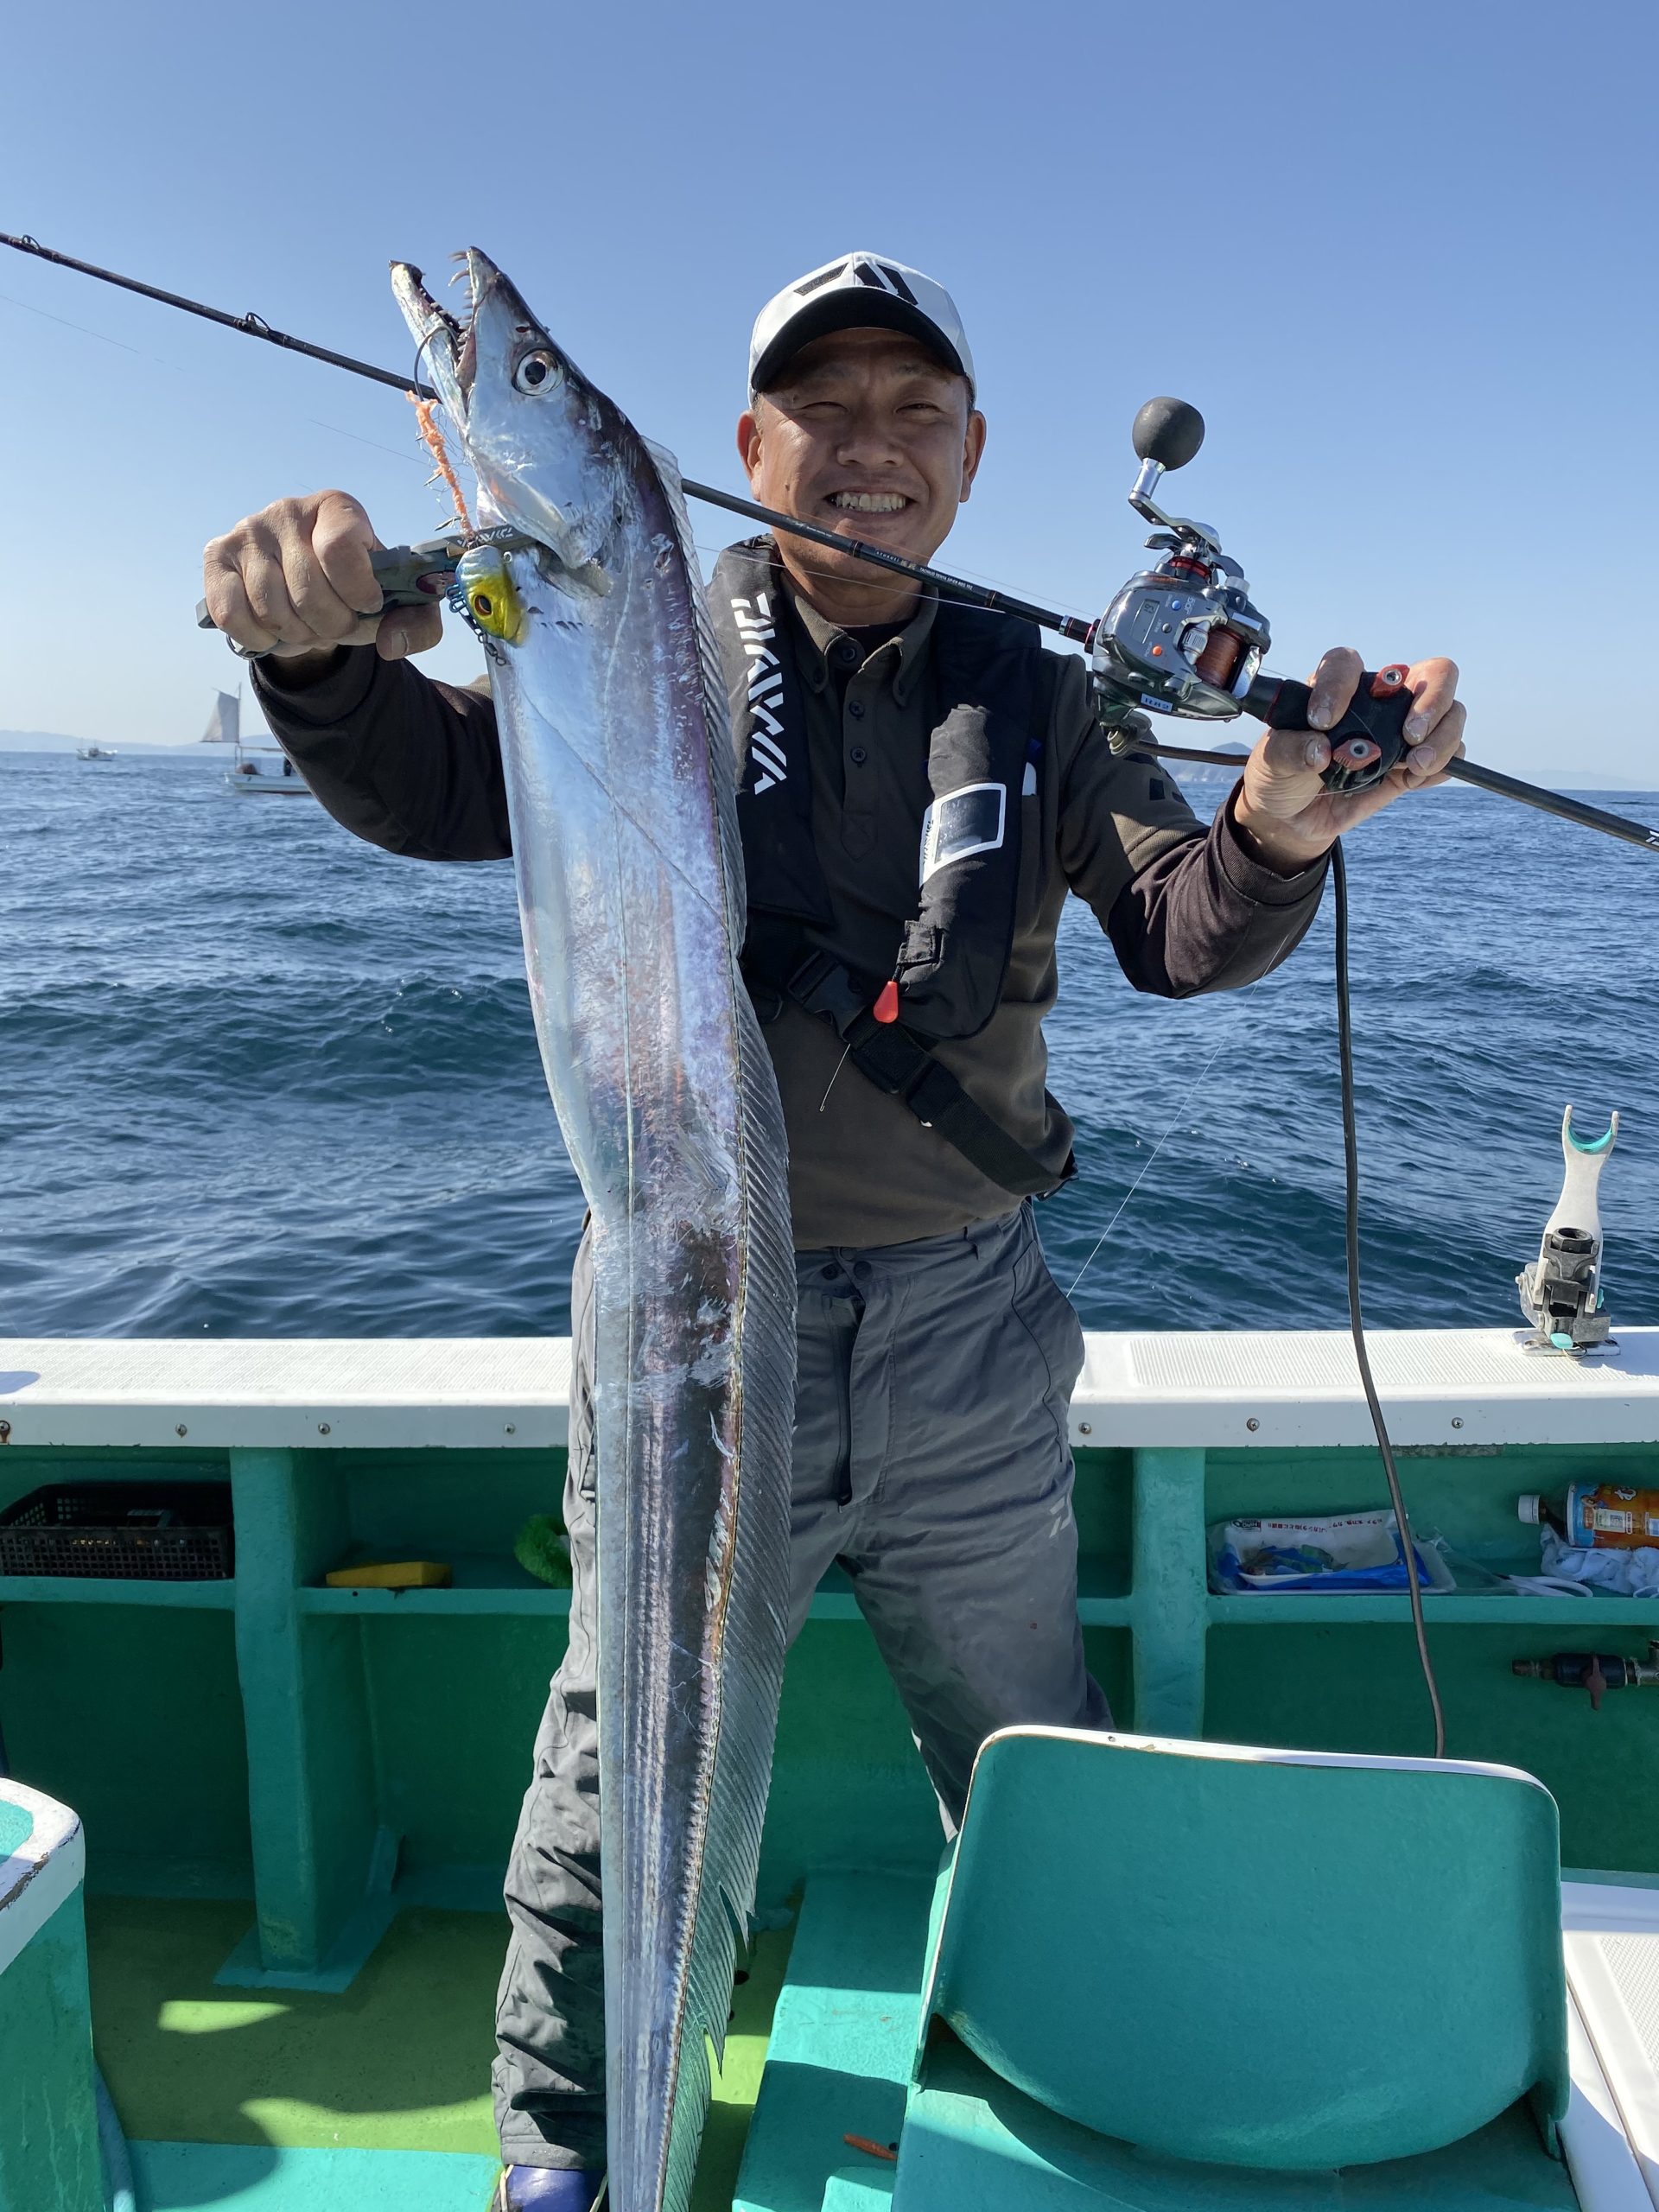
(859,291)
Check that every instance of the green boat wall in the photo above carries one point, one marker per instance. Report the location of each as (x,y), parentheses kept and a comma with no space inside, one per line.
(319,1763)
(307,1748)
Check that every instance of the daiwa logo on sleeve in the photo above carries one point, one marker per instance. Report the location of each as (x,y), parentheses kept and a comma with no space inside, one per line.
(756,630)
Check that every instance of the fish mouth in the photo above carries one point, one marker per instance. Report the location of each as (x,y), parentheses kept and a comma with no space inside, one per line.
(483,278)
(441,338)
(476,360)
(449,341)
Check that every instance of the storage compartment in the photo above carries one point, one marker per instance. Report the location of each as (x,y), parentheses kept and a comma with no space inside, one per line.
(133,1531)
(462,1509)
(1466,1494)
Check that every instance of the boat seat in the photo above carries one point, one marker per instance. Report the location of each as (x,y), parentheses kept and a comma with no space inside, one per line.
(49,2120)
(1257,1958)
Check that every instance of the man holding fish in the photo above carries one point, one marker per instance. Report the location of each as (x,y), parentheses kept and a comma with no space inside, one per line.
(902,1007)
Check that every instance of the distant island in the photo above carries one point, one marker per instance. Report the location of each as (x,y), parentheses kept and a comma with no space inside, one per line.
(54,740)
(1191,774)
(1207,775)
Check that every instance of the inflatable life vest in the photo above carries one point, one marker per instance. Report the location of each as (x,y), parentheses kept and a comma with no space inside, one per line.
(951,957)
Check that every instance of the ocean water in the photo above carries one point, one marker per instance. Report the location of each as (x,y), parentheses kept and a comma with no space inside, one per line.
(258,1078)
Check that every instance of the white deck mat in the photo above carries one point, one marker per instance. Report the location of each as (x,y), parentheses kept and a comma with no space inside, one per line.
(1611,1934)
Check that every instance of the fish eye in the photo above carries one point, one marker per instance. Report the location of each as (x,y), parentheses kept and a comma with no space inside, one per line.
(537,371)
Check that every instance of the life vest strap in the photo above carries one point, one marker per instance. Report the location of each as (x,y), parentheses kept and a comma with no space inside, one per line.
(895,1059)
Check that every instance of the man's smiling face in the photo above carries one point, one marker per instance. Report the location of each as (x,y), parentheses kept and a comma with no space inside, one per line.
(865,433)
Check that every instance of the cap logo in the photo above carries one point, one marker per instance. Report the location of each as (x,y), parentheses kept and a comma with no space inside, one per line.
(874,276)
(880,278)
(824,276)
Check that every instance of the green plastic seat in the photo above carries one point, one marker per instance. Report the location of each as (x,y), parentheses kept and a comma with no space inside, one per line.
(49,2120)
(1288,1960)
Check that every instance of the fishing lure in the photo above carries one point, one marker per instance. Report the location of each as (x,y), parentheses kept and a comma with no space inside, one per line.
(488,595)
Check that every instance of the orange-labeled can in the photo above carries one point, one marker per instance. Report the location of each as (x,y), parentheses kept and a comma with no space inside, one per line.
(1598,1516)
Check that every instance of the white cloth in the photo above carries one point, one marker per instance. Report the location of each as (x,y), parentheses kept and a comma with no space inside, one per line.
(1626,1573)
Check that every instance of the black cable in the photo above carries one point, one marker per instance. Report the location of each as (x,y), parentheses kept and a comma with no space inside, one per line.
(1350,1210)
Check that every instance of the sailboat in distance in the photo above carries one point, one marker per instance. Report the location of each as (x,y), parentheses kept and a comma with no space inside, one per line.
(257,770)
(225,723)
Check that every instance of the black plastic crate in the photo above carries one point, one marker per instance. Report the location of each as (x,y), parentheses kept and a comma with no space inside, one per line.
(143,1532)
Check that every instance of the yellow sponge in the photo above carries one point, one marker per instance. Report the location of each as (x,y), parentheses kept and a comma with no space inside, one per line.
(391,1574)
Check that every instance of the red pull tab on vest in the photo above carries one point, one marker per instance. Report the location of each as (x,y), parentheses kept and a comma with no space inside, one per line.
(887,1006)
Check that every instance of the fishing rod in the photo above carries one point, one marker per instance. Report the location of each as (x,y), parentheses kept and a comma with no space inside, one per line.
(255,326)
(1180,638)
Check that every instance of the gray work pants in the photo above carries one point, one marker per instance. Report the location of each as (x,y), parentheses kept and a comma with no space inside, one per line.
(930,1460)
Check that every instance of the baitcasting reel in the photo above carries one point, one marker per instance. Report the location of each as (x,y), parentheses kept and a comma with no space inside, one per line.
(1184,638)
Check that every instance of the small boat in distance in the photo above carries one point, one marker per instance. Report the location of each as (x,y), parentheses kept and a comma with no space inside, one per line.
(93,753)
(264,771)
(261,769)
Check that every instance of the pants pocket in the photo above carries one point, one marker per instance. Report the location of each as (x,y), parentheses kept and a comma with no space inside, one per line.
(1050,1317)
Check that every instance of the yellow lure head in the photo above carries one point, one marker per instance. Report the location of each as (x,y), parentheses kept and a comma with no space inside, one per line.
(492,599)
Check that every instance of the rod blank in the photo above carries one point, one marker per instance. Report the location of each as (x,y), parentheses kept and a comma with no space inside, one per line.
(1064,625)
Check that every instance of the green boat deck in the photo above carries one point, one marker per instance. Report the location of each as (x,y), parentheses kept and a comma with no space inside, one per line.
(297,1801)
(301,2099)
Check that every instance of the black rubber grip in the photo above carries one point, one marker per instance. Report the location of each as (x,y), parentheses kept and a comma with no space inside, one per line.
(1282,703)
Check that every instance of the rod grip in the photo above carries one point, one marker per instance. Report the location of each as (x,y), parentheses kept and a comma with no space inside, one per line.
(1376,718)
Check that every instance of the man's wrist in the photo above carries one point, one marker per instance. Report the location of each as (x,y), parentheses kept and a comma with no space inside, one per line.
(1271,843)
(299,672)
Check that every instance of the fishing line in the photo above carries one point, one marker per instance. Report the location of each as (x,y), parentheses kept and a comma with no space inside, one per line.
(200,376)
(85,331)
(830,1085)
(397,453)
(1184,1110)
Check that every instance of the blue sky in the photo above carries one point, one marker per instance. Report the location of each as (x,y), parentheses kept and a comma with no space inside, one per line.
(1403,258)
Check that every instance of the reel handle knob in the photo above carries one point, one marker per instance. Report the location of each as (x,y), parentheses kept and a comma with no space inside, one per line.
(1368,741)
(1168,431)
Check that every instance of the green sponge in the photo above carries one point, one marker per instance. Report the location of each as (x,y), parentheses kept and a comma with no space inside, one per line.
(543,1549)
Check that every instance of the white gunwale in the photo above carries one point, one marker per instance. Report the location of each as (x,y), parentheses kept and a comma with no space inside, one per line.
(1209,1390)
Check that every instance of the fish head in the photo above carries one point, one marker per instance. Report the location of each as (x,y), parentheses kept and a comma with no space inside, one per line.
(553,457)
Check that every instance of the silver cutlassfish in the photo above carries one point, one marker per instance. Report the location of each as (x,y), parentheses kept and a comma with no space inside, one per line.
(620,787)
